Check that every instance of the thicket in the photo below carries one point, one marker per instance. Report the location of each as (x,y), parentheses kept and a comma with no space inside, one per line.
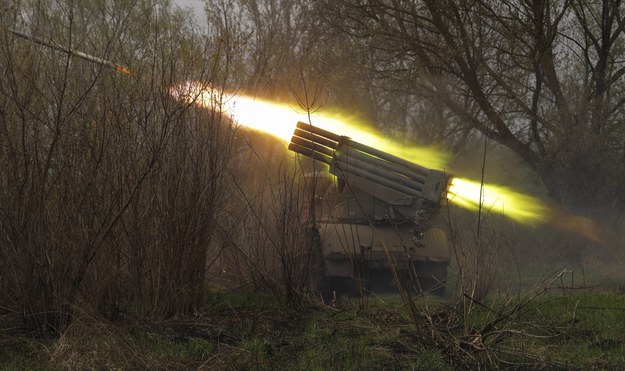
(109,187)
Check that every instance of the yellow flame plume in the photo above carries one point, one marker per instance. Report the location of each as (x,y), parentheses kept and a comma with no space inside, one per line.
(521,207)
(279,120)
(492,198)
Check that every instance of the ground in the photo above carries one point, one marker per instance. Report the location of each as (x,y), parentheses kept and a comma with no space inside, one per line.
(236,330)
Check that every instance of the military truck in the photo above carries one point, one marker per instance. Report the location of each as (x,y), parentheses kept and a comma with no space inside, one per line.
(375,218)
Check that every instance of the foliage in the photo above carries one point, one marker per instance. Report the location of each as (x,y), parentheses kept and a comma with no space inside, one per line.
(558,329)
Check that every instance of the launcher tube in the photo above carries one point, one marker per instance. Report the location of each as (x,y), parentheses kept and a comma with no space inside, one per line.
(355,159)
(313,146)
(388,167)
(342,170)
(310,153)
(315,138)
(349,159)
(355,162)
(319,131)
(387,156)
(341,140)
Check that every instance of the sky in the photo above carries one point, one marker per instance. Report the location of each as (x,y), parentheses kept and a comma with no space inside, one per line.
(196,5)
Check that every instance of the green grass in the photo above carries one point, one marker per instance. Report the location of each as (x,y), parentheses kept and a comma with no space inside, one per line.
(176,348)
(582,330)
(337,341)
(593,329)
(229,300)
(23,355)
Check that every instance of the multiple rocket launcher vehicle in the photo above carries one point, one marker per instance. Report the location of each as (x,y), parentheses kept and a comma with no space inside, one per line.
(377,217)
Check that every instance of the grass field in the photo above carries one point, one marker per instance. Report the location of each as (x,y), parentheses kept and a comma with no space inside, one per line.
(555,330)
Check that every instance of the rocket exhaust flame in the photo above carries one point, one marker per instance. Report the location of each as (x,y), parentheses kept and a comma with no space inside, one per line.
(279,120)
(492,198)
(520,207)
